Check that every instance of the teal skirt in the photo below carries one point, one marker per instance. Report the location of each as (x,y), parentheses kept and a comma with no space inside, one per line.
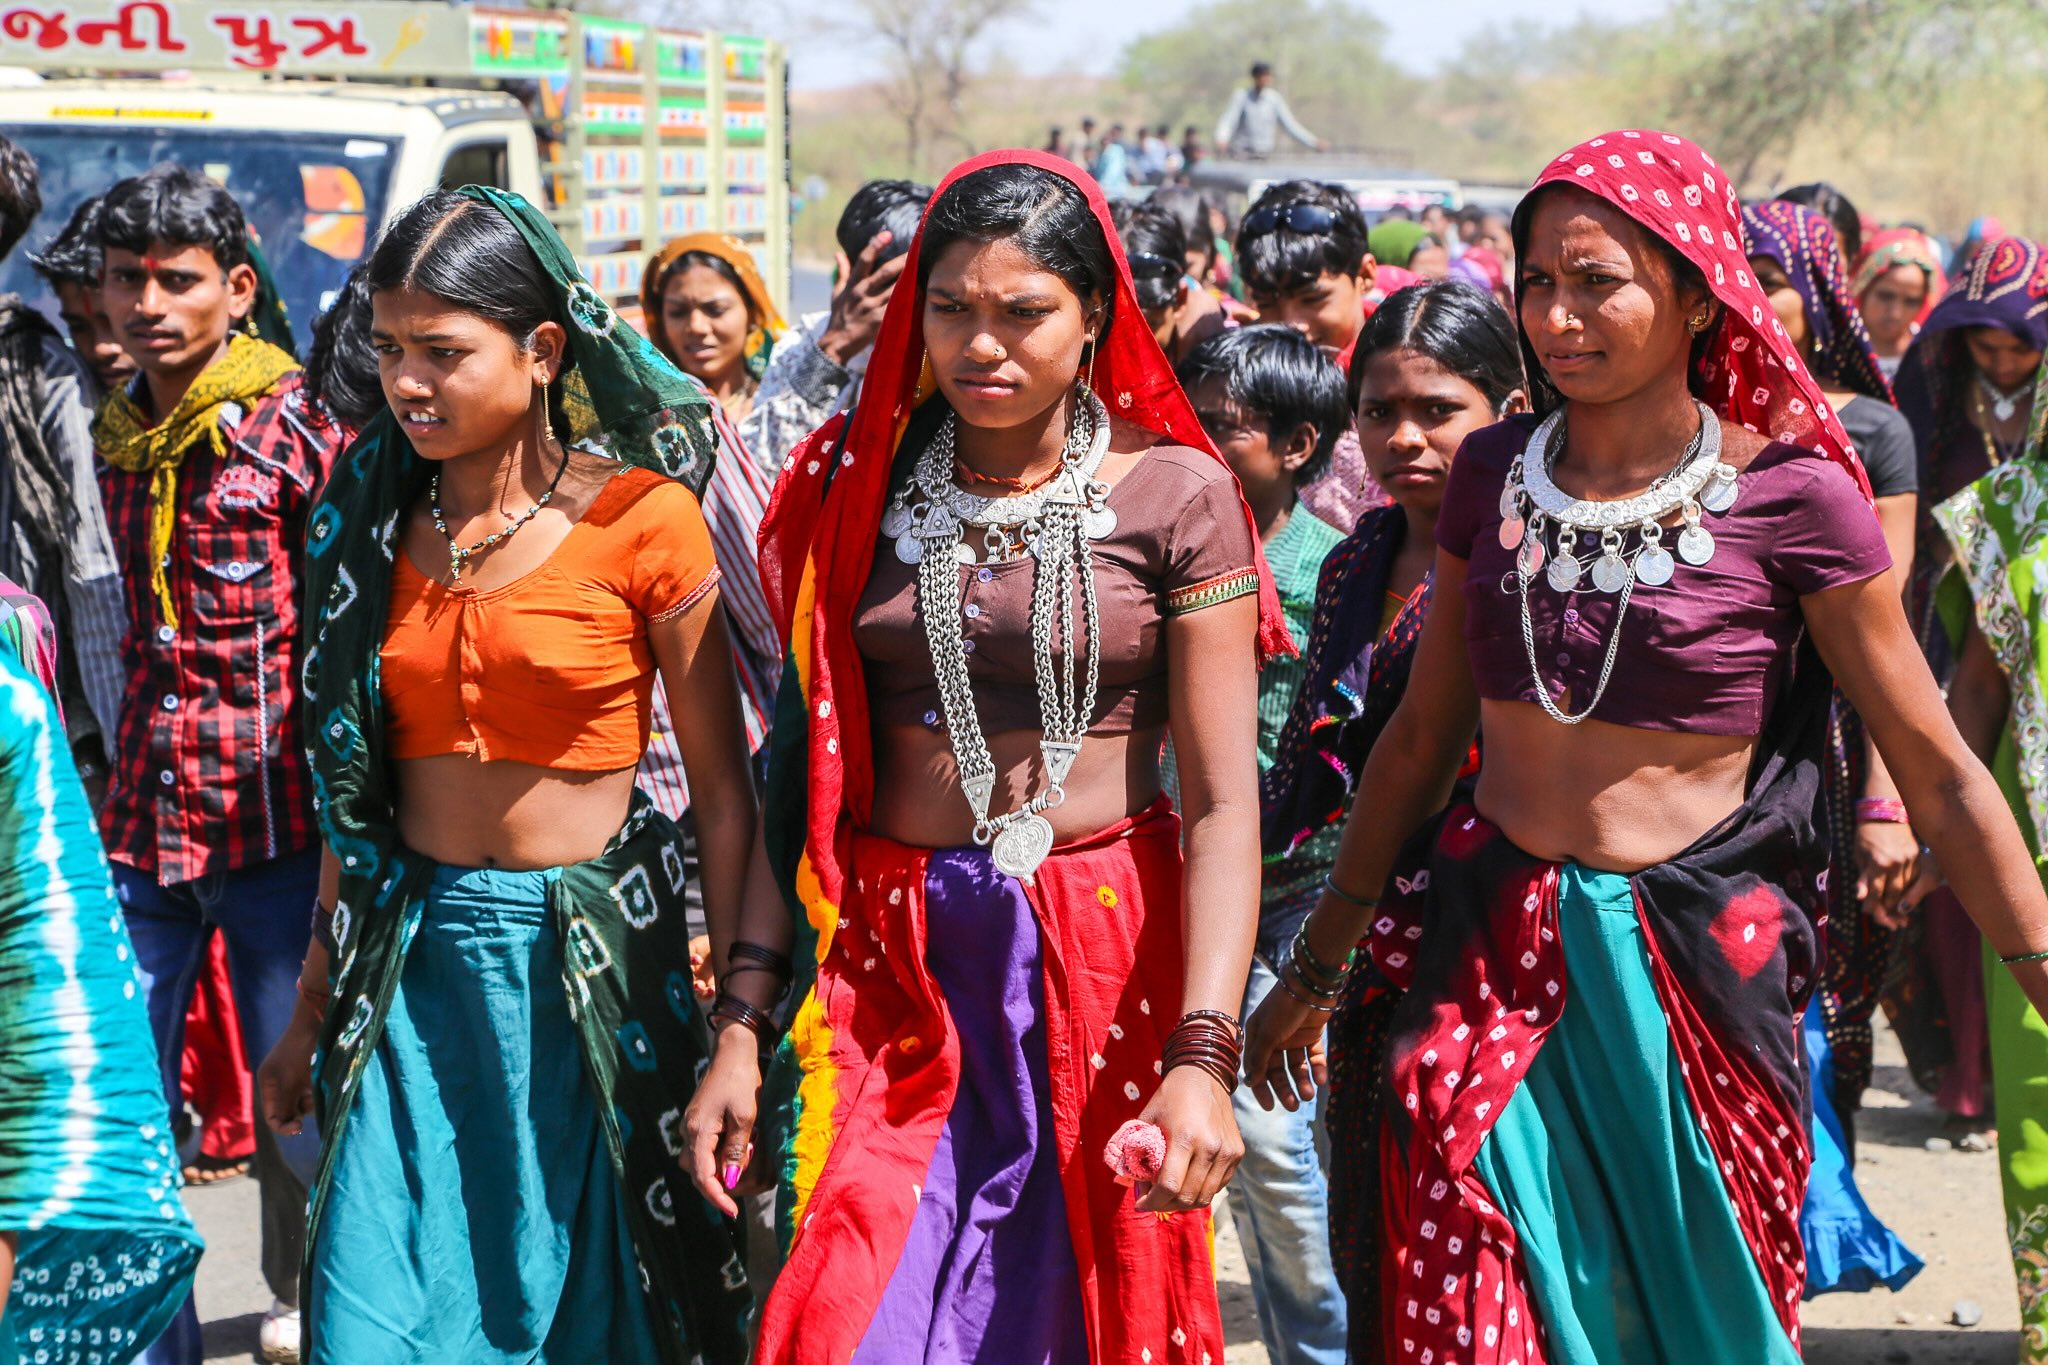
(1632,1249)
(88,1174)
(473,1213)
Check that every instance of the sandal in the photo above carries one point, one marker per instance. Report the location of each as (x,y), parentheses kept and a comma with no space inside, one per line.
(212,1170)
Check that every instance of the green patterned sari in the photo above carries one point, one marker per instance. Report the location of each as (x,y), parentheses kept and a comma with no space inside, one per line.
(1999,529)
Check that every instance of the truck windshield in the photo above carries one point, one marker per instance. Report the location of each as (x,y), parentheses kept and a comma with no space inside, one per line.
(314,201)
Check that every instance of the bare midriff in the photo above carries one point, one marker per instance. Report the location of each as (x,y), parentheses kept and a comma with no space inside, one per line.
(917,786)
(505,814)
(1611,797)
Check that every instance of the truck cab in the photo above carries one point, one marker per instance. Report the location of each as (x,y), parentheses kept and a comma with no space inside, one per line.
(318,167)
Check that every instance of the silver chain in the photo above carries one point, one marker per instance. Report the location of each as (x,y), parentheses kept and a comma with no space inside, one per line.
(1057,536)
(1628,590)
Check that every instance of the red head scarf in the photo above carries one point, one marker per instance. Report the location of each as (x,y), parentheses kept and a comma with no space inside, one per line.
(1749,371)
(819,539)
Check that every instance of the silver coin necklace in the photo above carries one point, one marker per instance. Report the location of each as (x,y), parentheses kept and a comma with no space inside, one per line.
(1053,525)
(1531,502)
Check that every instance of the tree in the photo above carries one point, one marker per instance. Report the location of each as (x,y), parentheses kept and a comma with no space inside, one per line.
(1327,55)
(931,47)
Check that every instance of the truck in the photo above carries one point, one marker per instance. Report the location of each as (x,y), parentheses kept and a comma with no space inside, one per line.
(326,120)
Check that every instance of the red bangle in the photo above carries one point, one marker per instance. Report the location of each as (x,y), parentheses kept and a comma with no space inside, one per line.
(1882,810)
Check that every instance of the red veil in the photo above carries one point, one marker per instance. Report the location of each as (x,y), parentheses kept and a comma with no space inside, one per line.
(1751,373)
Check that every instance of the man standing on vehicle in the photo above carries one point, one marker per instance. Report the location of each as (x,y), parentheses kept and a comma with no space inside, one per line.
(53,536)
(214,459)
(1251,127)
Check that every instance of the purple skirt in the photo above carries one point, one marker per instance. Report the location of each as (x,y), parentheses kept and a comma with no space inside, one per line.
(988,1271)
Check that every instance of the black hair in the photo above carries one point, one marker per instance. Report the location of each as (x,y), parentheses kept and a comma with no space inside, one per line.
(1157,248)
(73,256)
(341,366)
(1044,215)
(1833,205)
(1261,69)
(1280,376)
(21,193)
(1193,211)
(471,257)
(892,206)
(175,204)
(717,265)
(1281,258)
(1684,275)
(1457,324)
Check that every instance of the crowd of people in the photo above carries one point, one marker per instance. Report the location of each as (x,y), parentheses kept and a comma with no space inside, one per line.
(801,839)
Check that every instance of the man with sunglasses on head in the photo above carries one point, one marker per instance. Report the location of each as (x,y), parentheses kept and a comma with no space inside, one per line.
(1306,263)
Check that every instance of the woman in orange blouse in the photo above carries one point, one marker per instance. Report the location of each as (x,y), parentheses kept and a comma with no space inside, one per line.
(512,1040)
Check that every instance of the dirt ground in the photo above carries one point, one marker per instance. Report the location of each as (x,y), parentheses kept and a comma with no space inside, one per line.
(1945,1205)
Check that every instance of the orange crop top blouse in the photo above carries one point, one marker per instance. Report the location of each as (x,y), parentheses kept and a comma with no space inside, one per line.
(553,668)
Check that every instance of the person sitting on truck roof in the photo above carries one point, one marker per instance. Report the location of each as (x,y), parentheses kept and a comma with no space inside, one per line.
(502,911)
(1307,259)
(213,457)
(53,535)
(70,266)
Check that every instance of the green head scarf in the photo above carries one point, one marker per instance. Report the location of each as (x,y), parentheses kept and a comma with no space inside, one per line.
(1393,241)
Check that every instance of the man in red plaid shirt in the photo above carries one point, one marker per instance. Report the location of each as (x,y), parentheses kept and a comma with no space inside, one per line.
(213,459)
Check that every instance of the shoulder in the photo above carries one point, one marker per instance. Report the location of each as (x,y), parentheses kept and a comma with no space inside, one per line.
(1781,471)
(639,496)
(1496,447)
(1168,467)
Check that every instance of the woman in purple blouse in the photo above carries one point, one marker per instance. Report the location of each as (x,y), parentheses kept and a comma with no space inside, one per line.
(1641,591)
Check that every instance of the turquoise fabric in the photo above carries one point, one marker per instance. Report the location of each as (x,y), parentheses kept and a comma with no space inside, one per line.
(88,1175)
(473,1213)
(1633,1252)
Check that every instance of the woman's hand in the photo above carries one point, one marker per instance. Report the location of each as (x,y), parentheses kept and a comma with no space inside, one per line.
(1888,862)
(1283,1051)
(284,1083)
(1202,1142)
(719,1124)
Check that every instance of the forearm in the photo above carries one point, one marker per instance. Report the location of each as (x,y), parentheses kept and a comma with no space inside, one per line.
(727,835)
(1220,905)
(1877,781)
(1406,779)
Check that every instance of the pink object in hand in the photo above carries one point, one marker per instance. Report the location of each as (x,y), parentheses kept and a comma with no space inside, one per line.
(1136,1152)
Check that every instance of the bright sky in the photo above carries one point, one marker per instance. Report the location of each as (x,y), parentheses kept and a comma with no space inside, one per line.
(1088,35)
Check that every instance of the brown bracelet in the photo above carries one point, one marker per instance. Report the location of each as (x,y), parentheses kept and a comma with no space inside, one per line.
(1211,1040)
(730,1009)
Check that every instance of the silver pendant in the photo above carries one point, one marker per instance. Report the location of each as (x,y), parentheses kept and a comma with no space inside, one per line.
(1099,523)
(1530,561)
(896,519)
(1610,573)
(1511,532)
(1022,846)
(1696,545)
(1564,573)
(1510,501)
(1719,494)
(978,790)
(1654,566)
(963,553)
(910,548)
(1059,760)
(2003,408)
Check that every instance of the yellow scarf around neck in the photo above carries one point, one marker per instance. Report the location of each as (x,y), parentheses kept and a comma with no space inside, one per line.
(124,438)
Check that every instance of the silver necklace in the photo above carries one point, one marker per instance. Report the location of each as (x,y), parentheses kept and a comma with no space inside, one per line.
(2004,406)
(1531,501)
(1056,524)
(460,554)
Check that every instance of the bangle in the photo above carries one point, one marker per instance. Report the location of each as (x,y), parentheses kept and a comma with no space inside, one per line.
(730,1009)
(1881,810)
(317,999)
(766,958)
(1330,886)
(1309,965)
(2015,959)
(1306,1004)
(1210,1040)
(1309,983)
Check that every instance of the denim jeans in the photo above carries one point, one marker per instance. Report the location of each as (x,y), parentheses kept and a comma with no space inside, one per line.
(265,912)
(1281,1203)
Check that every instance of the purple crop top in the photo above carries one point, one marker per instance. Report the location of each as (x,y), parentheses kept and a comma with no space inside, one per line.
(1702,654)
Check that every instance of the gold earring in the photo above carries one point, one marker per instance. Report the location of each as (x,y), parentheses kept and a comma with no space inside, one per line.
(1698,324)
